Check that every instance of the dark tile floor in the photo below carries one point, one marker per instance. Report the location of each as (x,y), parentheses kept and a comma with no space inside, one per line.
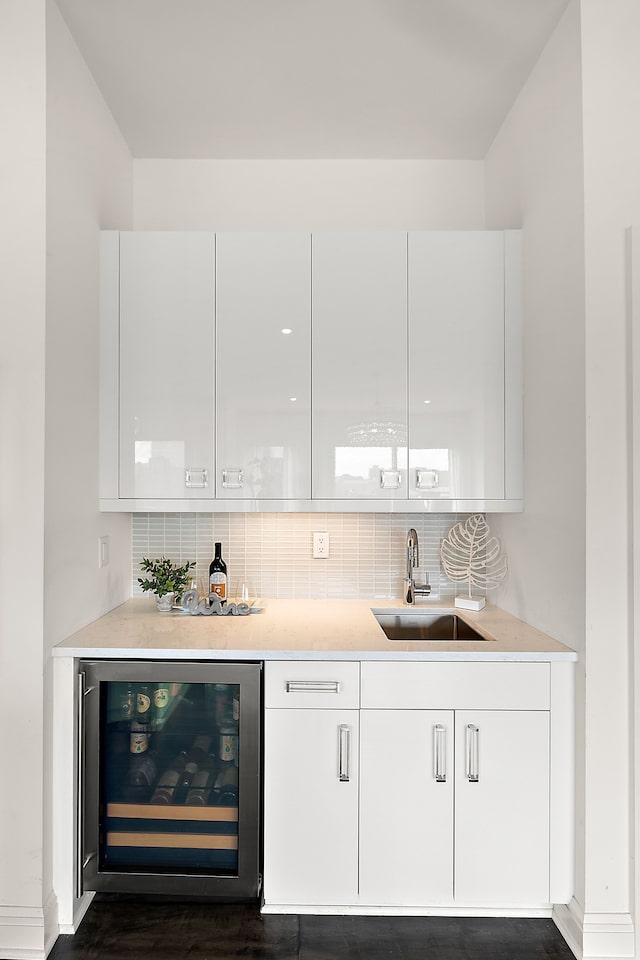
(124,930)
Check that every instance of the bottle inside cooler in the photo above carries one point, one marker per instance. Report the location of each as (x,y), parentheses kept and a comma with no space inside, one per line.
(170,774)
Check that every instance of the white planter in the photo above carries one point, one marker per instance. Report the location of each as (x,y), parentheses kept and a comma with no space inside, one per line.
(164,604)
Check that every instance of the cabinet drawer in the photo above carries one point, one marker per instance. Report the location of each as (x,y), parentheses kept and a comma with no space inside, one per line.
(315,683)
(455,686)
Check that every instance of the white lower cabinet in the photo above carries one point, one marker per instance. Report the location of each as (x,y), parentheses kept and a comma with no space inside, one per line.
(474,831)
(461,769)
(502,808)
(406,807)
(311,741)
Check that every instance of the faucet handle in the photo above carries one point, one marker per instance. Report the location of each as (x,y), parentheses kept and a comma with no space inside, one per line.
(411,589)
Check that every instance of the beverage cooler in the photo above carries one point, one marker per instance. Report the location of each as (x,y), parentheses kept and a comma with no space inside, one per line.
(169,771)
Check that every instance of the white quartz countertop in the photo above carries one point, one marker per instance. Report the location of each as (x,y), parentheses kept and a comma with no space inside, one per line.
(300,630)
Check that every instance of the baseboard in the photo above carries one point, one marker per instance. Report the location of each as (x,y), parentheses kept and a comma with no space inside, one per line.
(28,933)
(569,923)
(80,908)
(342,910)
(595,936)
(50,923)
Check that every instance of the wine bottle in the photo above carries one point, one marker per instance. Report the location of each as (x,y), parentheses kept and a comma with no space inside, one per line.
(143,700)
(139,736)
(128,702)
(218,575)
(143,770)
(161,700)
(225,789)
(200,748)
(201,784)
(169,781)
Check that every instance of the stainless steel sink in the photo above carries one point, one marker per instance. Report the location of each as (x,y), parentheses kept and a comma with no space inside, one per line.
(419,625)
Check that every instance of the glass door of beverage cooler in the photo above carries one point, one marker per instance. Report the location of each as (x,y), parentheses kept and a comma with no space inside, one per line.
(170,778)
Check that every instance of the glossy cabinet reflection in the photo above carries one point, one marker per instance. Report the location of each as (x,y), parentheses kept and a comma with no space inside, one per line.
(166,337)
(359,350)
(456,365)
(368,367)
(263,331)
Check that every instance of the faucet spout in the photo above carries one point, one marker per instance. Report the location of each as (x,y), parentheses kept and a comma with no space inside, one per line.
(411,588)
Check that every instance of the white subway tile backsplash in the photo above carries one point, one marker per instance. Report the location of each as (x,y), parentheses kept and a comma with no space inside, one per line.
(272,551)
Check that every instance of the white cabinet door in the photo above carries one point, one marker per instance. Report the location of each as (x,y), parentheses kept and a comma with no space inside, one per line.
(167,306)
(359,447)
(263,334)
(406,807)
(310,813)
(456,365)
(502,808)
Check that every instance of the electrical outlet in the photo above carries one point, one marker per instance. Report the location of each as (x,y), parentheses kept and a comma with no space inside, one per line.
(320,546)
(103,552)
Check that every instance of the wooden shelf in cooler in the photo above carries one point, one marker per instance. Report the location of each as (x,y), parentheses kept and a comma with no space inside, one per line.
(159,811)
(196,841)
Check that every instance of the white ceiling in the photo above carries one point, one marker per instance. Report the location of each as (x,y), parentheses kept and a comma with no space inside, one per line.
(310,78)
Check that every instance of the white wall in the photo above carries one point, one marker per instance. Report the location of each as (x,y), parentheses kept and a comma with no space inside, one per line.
(566,164)
(534,179)
(89,187)
(22,370)
(611,94)
(308,194)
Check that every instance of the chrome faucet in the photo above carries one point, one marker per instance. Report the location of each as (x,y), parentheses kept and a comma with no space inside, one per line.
(411,588)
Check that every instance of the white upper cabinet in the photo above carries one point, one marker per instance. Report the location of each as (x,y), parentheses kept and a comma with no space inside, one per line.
(359,419)
(456,366)
(316,371)
(263,337)
(166,329)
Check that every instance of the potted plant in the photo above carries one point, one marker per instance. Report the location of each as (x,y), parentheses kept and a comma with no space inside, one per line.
(167,580)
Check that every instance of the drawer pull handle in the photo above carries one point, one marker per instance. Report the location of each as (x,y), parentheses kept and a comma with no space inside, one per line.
(440,741)
(344,744)
(313,686)
(473,733)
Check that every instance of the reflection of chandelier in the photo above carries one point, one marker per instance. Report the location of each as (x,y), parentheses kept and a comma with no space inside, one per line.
(377,434)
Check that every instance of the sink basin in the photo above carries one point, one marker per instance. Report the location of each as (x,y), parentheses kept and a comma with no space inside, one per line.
(418,625)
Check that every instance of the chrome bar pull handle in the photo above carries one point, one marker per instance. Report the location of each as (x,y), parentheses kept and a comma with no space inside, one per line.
(473,733)
(312,686)
(440,752)
(344,745)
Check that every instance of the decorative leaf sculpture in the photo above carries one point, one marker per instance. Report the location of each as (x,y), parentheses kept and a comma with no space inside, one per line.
(469,553)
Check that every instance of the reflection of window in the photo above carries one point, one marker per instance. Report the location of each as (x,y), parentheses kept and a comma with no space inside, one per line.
(170,451)
(359,461)
(143,451)
(159,468)
(434,459)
